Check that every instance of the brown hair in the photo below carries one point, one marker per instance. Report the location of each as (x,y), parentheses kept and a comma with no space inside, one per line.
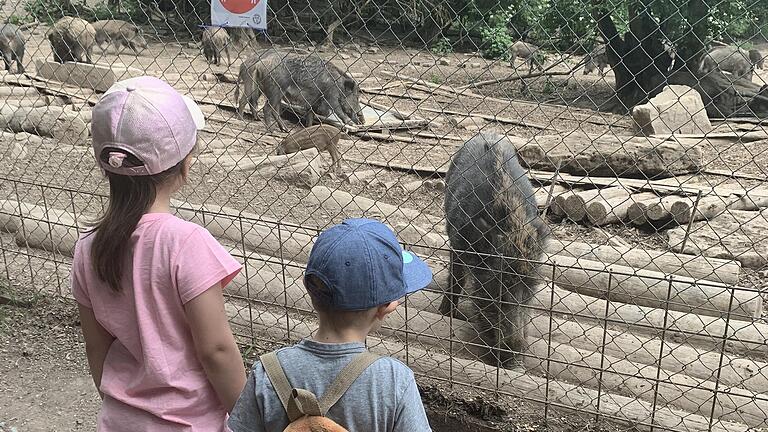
(129,199)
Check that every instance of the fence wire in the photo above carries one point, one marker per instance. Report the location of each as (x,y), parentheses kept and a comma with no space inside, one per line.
(585,179)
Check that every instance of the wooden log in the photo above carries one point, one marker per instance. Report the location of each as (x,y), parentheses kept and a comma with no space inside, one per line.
(579,153)
(648,288)
(558,203)
(672,357)
(735,234)
(18,92)
(693,266)
(712,206)
(568,396)
(576,204)
(339,201)
(566,362)
(268,283)
(543,195)
(620,375)
(27,103)
(661,210)
(255,232)
(98,77)
(741,337)
(636,213)
(613,210)
(47,121)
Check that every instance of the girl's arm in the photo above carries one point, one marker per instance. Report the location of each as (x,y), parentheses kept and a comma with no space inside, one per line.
(97,343)
(216,346)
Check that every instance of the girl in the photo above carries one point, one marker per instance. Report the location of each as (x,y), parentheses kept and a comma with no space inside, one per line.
(148,284)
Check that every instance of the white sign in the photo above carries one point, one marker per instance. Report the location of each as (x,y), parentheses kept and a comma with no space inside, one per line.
(239,13)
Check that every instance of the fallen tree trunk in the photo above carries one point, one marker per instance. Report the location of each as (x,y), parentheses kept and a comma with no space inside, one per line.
(713,206)
(608,155)
(47,121)
(622,376)
(613,210)
(736,234)
(576,204)
(513,382)
(558,205)
(692,266)
(653,289)
(425,325)
(543,197)
(261,234)
(661,210)
(637,212)
(343,202)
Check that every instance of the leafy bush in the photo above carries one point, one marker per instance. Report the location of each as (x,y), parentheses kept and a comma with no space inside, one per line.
(495,37)
(442,47)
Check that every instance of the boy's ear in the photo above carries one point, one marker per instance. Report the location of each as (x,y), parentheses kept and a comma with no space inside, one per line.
(386,309)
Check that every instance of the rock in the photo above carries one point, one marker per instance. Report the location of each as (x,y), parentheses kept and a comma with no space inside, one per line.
(735,234)
(372,50)
(475,65)
(442,61)
(18,151)
(677,109)
(98,77)
(345,56)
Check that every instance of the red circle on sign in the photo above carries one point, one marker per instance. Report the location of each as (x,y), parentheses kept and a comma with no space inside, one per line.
(239,6)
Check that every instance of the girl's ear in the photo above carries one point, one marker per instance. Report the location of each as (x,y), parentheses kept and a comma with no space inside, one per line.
(185,167)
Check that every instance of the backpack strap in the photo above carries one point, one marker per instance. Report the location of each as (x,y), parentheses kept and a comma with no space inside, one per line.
(280,382)
(345,379)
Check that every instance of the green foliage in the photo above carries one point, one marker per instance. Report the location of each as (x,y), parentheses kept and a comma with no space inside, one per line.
(19,20)
(436,79)
(496,42)
(50,11)
(442,47)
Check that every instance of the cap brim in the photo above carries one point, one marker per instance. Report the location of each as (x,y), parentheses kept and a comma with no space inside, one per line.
(194,109)
(416,274)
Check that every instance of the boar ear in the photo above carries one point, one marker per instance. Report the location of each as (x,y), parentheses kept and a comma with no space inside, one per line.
(349,83)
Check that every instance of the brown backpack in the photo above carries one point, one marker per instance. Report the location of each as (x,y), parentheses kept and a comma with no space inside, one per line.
(305,412)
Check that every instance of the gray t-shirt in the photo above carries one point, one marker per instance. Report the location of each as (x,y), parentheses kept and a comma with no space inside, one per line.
(383,398)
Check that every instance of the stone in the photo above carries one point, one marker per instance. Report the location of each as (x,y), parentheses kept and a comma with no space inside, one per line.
(99,77)
(442,61)
(18,151)
(475,65)
(677,109)
(372,50)
(345,56)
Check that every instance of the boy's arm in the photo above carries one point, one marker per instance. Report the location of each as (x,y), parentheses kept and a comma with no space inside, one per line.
(246,415)
(215,345)
(410,415)
(97,343)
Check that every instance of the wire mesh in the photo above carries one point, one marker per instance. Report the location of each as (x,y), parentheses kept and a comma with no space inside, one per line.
(593,252)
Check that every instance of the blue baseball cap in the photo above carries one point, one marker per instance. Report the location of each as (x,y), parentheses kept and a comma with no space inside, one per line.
(363,266)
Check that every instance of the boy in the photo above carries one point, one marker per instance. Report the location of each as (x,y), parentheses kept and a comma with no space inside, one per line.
(355,276)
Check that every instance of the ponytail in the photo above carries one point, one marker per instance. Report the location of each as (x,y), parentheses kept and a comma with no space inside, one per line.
(130,197)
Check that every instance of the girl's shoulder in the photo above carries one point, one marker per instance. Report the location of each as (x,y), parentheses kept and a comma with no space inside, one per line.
(166,227)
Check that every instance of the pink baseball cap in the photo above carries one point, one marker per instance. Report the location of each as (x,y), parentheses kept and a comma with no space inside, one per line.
(150,120)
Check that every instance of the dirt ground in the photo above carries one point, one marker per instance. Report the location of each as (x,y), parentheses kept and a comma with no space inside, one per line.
(44,383)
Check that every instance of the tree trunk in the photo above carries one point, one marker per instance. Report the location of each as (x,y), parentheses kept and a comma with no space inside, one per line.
(638,59)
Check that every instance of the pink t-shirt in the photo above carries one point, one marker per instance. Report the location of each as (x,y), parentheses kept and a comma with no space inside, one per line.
(152,379)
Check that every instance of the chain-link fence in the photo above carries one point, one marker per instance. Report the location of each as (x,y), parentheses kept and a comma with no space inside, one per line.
(621,287)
